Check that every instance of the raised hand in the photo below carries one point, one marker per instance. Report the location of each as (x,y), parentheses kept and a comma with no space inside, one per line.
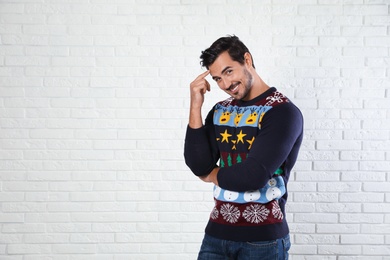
(198,88)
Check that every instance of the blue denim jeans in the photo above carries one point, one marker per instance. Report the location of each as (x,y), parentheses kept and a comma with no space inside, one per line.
(218,249)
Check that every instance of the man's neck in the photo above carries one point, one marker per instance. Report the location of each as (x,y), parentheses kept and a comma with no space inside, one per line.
(258,87)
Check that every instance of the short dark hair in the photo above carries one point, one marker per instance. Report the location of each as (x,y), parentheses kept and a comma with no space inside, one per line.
(231,44)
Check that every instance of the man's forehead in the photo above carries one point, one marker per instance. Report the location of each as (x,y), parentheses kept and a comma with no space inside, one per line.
(221,63)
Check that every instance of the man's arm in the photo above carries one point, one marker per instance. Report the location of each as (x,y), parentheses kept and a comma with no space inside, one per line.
(278,140)
(200,150)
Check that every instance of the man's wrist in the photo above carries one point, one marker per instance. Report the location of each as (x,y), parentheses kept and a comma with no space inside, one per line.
(214,173)
(195,120)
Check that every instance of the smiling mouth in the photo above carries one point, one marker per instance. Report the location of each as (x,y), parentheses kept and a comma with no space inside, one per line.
(234,87)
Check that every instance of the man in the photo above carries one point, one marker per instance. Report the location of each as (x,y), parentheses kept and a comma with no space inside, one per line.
(255,135)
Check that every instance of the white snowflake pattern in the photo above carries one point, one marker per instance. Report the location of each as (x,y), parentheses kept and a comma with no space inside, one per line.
(230,213)
(276,211)
(255,213)
(277,97)
(214,214)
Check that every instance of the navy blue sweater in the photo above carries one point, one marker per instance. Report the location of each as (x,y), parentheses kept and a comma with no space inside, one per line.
(256,144)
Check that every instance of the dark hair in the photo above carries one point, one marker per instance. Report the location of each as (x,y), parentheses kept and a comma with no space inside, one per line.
(231,44)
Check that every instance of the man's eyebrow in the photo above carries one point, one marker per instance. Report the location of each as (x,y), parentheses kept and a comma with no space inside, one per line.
(225,69)
(222,72)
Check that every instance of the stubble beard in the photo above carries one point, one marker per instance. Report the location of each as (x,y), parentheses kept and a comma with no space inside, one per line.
(248,85)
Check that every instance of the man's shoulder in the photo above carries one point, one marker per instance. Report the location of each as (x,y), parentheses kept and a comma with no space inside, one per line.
(227,102)
(275,98)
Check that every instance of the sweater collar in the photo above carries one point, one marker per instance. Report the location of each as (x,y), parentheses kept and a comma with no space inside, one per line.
(256,99)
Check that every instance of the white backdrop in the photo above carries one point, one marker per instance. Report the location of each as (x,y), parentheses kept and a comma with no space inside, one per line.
(94,105)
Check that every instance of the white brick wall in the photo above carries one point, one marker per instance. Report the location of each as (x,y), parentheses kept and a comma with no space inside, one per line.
(94,105)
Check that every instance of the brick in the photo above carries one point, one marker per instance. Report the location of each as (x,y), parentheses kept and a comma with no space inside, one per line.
(375,229)
(17,249)
(362,155)
(46,239)
(338,228)
(316,91)
(339,249)
(361,218)
(68,207)
(317,176)
(89,196)
(11,217)
(364,31)
(314,257)
(381,250)
(338,207)
(365,51)
(316,239)
(323,134)
(315,197)
(22,18)
(365,9)
(74,248)
(376,145)
(360,257)
(23,228)
(345,62)
(379,208)
(373,197)
(362,239)
(304,250)
(47,217)
(375,166)
(338,145)
(328,41)
(165,248)
(332,186)
(365,72)
(377,20)
(113,227)
(336,165)
(118,248)
(315,218)
(27,61)
(337,124)
(293,20)
(302,186)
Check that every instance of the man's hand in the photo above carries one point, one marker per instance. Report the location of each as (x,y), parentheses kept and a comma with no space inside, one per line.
(197,89)
(212,177)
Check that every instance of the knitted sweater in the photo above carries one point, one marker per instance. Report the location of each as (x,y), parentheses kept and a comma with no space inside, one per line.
(256,143)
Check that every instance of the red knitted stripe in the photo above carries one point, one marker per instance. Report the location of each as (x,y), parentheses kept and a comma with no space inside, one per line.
(248,214)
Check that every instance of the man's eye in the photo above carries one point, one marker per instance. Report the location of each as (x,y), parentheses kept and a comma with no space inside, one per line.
(229,72)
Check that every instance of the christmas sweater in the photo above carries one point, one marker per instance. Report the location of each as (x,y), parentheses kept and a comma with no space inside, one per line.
(256,143)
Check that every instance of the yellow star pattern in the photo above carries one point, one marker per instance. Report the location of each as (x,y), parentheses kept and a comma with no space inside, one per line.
(240,137)
(225,136)
(234,145)
(250,142)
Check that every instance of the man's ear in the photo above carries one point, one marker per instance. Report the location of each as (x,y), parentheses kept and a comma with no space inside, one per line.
(248,59)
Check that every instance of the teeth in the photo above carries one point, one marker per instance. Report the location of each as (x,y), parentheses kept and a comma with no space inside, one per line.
(234,89)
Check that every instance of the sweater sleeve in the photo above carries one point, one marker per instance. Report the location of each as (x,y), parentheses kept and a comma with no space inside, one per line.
(278,139)
(200,149)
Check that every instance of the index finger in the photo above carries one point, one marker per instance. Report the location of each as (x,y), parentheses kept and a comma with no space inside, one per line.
(203,75)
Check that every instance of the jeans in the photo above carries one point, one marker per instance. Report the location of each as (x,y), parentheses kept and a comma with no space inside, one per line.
(218,249)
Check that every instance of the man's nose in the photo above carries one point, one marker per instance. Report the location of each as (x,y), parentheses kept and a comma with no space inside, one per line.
(226,83)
